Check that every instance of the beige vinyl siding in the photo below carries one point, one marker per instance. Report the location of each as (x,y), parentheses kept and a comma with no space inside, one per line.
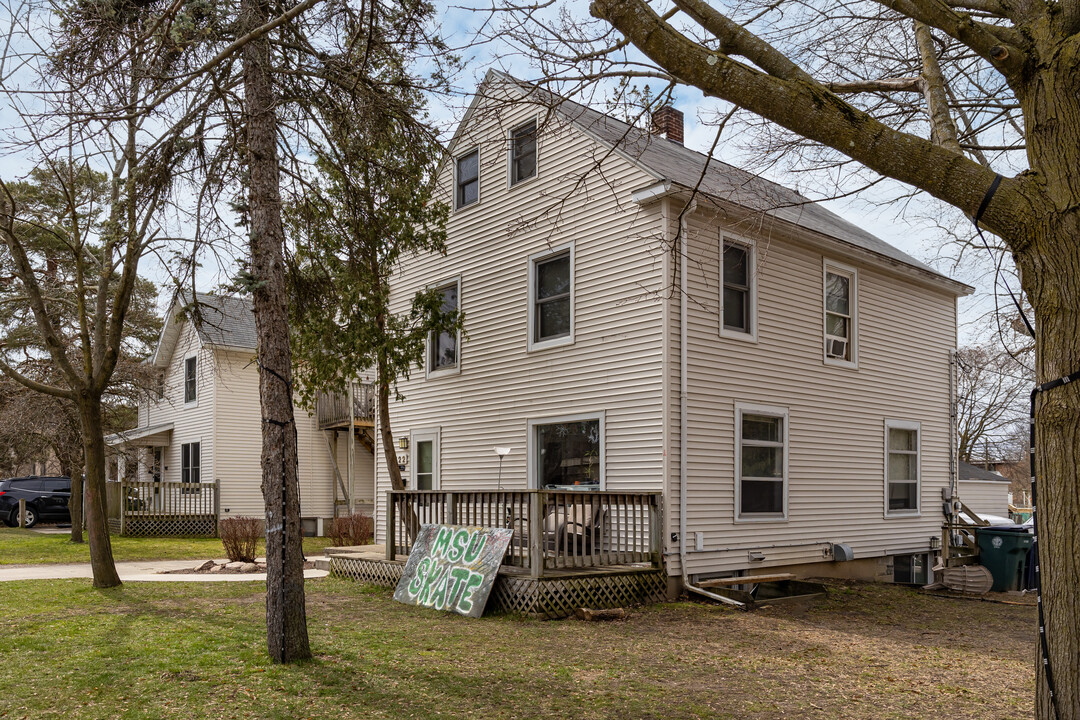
(836,456)
(191,423)
(986,496)
(614,363)
(238,431)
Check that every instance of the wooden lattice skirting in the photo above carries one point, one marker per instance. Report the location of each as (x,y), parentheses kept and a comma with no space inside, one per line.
(167,526)
(546,598)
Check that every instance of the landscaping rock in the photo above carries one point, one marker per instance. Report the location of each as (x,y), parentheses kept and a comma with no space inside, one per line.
(249,567)
(205,567)
(235,565)
(217,568)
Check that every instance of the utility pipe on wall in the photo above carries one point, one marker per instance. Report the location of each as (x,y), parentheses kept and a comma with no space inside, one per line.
(680,255)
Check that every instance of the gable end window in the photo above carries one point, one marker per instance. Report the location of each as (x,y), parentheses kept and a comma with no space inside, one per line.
(761,462)
(467,179)
(551,298)
(523,153)
(738,293)
(902,467)
(191,366)
(443,346)
(840,314)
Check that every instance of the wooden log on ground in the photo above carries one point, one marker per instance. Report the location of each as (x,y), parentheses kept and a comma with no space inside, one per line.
(745,580)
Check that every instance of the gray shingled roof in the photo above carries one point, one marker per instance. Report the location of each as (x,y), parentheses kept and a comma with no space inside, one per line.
(671,161)
(220,320)
(974,472)
(224,320)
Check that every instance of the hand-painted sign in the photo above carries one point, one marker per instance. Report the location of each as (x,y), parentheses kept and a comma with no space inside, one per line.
(453,568)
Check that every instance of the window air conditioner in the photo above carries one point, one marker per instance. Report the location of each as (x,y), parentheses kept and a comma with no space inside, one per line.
(836,348)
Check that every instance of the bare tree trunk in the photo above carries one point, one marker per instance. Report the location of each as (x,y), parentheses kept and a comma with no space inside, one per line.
(389,453)
(1052,274)
(75,503)
(97,521)
(405,511)
(286,619)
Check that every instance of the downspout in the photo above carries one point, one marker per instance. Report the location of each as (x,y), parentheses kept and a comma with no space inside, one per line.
(680,256)
(954,429)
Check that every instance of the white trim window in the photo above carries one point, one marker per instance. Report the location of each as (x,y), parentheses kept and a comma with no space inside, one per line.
(903,442)
(523,153)
(191,379)
(467,179)
(840,306)
(738,293)
(761,462)
(191,462)
(424,460)
(567,453)
(444,348)
(551,298)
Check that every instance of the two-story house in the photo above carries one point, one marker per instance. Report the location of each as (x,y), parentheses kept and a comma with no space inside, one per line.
(641,318)
(203,427)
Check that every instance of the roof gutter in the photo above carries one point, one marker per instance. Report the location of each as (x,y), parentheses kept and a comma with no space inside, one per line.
(814,238)
(652,193)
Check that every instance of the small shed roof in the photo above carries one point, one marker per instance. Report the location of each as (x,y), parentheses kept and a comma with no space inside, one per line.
(974,472)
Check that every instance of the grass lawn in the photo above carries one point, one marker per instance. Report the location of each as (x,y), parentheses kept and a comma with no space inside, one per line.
(26,547)
(187,650)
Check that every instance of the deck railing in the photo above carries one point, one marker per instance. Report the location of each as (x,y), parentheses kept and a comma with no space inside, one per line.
(332,408)
(164,503)
(553,529)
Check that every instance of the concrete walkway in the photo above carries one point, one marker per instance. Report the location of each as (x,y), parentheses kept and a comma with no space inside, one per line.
(136,571)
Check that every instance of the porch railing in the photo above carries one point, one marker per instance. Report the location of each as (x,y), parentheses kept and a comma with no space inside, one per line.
(553,529)
(332,408)
(162,503)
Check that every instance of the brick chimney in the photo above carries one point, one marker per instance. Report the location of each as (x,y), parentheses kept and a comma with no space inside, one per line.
(668,121)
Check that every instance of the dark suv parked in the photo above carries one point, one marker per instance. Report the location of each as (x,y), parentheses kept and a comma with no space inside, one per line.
(46,499)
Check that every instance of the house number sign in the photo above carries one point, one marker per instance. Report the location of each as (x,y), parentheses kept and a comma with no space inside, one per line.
(453,568)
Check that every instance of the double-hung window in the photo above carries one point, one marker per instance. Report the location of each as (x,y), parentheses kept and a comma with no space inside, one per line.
(738,292)
(551,298)
(523,153)
(902,467)
(840,314)
(467,179)
(190,462)
(761,462)
(443,346)
(191,374)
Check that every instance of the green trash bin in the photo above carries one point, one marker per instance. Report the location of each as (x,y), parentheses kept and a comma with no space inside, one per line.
(1003,551)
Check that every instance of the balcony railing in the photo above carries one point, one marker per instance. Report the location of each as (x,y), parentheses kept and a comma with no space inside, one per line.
(553,529)
(332,408)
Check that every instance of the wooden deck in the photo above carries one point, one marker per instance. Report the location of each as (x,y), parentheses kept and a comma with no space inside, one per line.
(162,508)
(557,594)
(340,411)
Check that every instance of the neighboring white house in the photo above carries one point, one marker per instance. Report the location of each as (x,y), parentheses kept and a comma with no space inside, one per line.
(205,424)
(984,491)
(816,357)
